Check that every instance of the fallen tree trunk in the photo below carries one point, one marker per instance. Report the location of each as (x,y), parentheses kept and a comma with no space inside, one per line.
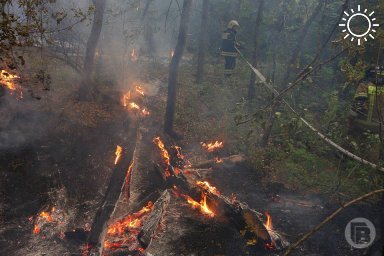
(246,220)
(148,231)
(114,191)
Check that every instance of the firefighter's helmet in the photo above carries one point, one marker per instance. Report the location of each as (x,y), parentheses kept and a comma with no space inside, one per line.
(375,74)
(233,24)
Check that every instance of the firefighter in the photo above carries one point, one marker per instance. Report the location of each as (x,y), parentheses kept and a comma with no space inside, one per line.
(368,102)
(228,47)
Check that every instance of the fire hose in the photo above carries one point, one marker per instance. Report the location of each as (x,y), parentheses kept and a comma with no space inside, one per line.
(344,151)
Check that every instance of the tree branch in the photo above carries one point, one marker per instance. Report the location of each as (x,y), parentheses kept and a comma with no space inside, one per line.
(329,218)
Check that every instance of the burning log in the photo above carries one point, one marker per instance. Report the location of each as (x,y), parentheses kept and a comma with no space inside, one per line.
(114,191)
(147,232)
(246,220)
(212,203)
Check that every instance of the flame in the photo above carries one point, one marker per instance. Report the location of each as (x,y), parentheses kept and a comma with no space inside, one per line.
(127,179)
(129,223)
(41,219)
(133,105)
(210,147)
(145,112)
(118,152)
(268,224)
(133,55)
(205,185)
(218,160)
(126,98)
(164,152)
(179,152)
(172,53)
(139,90)
(202,206)
(7,79)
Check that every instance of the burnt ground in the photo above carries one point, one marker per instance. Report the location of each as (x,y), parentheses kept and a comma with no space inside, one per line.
(66,164)
(77,160)
(186,232)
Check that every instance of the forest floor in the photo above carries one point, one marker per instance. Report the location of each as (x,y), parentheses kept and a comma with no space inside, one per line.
(65,158)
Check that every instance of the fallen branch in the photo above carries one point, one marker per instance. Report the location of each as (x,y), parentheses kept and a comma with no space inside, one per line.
(329,218)
(325,138)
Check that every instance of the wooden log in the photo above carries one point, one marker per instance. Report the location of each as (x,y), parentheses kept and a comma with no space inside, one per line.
(245,219)
(150,226)
(113,192)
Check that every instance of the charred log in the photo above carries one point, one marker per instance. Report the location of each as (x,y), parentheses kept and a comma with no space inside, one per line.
(114,191)
(246,220)
(146,234)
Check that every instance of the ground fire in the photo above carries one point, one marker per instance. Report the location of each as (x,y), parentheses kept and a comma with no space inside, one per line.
(191,128)
(213,146)
(118,152)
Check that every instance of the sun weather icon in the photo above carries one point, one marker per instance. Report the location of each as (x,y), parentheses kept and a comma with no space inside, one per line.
(359,25)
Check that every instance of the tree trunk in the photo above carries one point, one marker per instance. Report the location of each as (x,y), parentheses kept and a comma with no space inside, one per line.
(93,39)
(251,87)
(202,43)
(289,70)
(174,67)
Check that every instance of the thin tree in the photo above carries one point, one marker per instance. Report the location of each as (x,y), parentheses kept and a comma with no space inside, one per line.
(174,67)
(252,80)
(289,70)
(93,39)
(202,43)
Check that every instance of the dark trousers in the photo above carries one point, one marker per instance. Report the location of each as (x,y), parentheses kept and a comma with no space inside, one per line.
(230,64)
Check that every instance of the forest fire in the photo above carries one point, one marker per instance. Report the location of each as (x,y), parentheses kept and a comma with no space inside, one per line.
(213,146)
(164,152)
(133,105)
(126,98)
(43,218)
(133,55)
(123,233)
(118,152)
(268,224)
(202,205)
(139,90)
(145,112)
(7,79)
(205,185)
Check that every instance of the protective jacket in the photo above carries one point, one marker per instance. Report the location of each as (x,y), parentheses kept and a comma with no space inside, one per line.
(368,101)
(228,43)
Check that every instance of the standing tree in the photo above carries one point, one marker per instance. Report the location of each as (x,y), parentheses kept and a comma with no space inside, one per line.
(251,87)
(202,43)
(93,40)
(289,70)
(174,68)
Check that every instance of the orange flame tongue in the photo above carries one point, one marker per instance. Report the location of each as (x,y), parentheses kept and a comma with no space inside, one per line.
(126,98)
(210,147)
(164,152)
(202,206)
(7,79)
(139,90)
(118,152)
(42,218)
(207,186)
(268,224)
